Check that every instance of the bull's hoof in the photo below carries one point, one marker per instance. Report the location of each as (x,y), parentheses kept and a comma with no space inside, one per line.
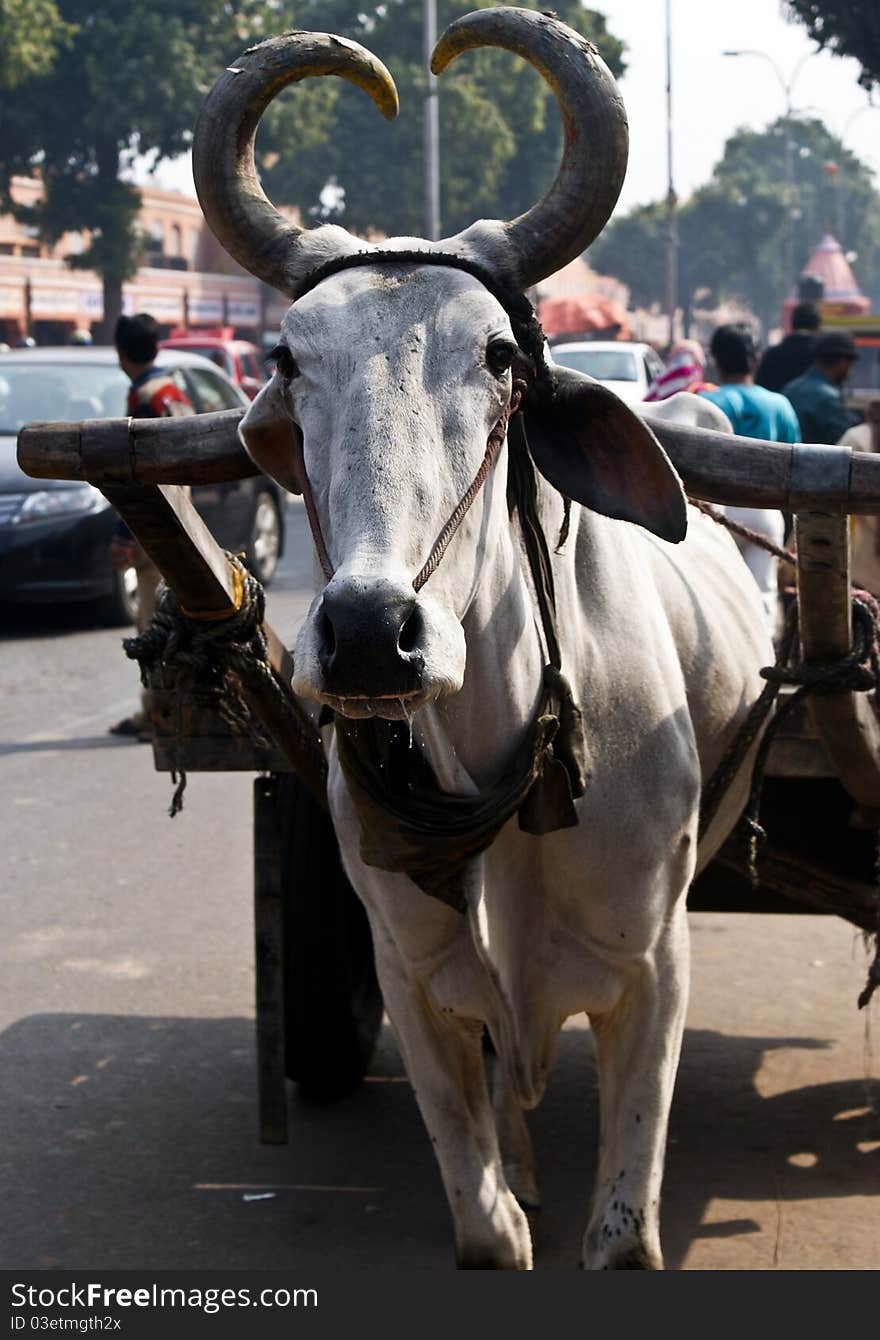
(632,1257)
(636,1258)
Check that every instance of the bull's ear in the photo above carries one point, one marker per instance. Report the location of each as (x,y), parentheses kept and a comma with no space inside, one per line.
(270,437)
(592,447)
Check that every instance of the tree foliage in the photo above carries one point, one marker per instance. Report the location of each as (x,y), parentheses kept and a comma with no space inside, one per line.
(500,134)
(32,33)
(735,232)
(130,77)
(845,27)
(108,79)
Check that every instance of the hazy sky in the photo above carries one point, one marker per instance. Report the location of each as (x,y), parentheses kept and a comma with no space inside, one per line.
(712,95)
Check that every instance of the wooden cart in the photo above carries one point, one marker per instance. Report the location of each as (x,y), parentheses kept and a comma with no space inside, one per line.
(318,1004)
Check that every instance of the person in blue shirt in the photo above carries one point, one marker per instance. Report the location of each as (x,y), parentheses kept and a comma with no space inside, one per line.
(753,411)
(817,394)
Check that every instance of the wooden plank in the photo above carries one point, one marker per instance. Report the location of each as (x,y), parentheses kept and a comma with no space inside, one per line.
(206,743)
(801,885)
(796,750)
(269,952)
(845,722)
(176,538)
(717,467)
(199,449)
(197,570)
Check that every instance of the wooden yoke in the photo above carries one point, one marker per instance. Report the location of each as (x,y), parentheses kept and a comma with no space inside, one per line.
(191,562)
(205,449)
(846,722)
(821,484)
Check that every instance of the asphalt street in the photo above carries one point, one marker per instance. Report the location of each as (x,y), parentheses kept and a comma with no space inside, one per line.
(127,1072)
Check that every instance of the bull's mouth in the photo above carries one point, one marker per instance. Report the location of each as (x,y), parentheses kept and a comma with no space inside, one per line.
(390,707)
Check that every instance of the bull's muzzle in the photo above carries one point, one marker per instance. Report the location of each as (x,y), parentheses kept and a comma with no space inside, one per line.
(369,635)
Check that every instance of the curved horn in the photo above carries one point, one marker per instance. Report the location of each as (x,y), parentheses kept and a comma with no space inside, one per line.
(238,213)
(579,203)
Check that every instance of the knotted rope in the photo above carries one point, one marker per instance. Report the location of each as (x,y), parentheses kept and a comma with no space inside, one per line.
(212,661)
(856,672)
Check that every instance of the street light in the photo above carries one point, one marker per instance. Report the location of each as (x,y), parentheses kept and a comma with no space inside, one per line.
(868,106)
(431,127)
(836,170)
(671,202)
(786,85)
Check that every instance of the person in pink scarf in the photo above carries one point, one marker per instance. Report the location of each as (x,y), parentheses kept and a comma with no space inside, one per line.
(685,371)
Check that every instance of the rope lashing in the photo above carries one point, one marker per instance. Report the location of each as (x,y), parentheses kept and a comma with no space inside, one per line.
(745,532)
(211,661)
(857,672)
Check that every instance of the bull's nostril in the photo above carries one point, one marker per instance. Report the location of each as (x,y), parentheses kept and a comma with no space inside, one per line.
(328,636)
(410,632)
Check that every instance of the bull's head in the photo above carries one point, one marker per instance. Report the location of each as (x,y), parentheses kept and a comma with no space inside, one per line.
(391,378)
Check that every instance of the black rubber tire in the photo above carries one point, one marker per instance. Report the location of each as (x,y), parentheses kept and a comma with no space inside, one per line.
(333,1003)
(120,608)
(265,538)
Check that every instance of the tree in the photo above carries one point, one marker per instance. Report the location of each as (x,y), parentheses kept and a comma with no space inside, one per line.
(32,33)
(131,78)
(845,27)
(735,231)
(500,135)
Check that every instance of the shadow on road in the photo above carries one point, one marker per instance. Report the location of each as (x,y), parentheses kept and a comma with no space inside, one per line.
(48,620)
(131,1143)
(77,742)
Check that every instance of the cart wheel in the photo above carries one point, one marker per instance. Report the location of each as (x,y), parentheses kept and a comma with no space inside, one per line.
(332,1000)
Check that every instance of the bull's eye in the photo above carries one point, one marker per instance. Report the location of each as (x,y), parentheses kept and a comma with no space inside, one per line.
(284,363)
(499,356)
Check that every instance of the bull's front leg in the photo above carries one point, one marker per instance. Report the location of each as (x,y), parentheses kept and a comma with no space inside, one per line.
(443,1056)
(638,1044)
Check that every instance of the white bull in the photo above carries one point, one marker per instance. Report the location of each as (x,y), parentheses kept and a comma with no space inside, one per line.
(391,379)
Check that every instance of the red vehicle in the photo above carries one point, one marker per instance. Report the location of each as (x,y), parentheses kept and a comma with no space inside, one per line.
(239,359)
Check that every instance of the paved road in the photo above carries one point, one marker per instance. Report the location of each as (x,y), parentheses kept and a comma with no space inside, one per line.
(127,1076)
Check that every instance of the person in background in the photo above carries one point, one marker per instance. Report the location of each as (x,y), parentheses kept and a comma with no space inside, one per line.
(794,352)
(753,411)
(817,394)
(153,394)
(685,371)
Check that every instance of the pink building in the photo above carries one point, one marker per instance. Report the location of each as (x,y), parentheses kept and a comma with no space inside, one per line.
(185,278)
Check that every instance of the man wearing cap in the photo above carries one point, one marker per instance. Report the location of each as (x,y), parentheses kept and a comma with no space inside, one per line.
(794,353)
(817,395)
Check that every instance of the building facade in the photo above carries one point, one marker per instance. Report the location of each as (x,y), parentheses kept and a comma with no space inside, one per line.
(185,279)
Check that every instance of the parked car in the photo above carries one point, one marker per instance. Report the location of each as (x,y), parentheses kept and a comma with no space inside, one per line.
(55,534)
(240,360)
(628,369)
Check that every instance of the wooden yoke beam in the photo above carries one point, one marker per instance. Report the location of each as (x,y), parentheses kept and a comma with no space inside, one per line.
(176,538)
(717,467)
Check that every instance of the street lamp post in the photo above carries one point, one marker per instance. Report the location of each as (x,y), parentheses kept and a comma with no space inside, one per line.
(788,175)
(671,203)
(432,133)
